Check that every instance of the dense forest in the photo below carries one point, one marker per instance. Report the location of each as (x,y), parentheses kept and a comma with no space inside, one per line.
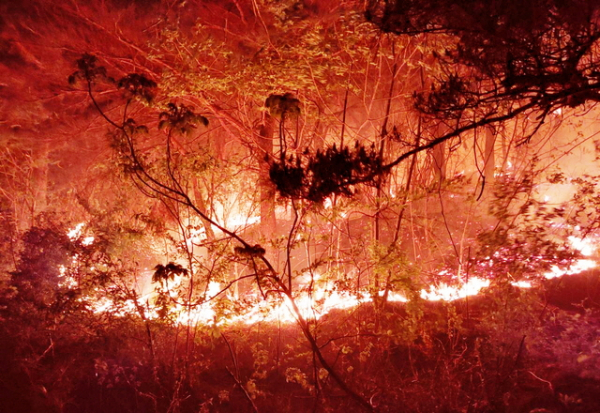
(299,206)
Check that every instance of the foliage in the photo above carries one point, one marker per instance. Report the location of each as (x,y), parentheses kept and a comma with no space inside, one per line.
(139,86)
(180,118)
(281,106)
(538,51)
(163,273)
(529,236)
(486,355)
(88,71)
(44,250)
(333,171)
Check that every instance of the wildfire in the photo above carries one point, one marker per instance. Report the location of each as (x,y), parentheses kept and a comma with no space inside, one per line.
(76,234)
(586,248)
(446,292)
(577,267)
(311,303)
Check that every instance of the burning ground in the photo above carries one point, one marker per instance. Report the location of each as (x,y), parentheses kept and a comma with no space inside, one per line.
(507,349)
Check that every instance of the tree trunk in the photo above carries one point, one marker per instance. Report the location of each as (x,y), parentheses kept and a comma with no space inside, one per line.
(439,162)
(489,159)
(267,191)
(199,201)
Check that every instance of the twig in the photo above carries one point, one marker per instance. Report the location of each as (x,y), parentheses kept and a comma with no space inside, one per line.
(235,376)
(542,380)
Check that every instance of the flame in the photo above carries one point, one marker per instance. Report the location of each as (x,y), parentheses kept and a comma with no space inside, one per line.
(204,313)
(586,247)
(76,234)
(446,292)
(312,304)
(65,280)
(583,245)
(577,267)
(522,284)
(240,221)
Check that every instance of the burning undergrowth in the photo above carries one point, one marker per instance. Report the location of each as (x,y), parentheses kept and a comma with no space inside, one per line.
(505,350)
(74,339)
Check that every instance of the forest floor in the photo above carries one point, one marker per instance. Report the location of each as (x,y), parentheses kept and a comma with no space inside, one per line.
(508,350)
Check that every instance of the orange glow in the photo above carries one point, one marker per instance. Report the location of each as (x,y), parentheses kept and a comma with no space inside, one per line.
(522,284)
(77,232)
(577,267)
(446,292)
(312,305)
(586,248)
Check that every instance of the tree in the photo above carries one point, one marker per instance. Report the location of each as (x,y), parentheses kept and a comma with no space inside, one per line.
(164,179)
(501,63)
(502,59)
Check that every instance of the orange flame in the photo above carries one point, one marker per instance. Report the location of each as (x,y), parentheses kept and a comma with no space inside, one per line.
(311,304)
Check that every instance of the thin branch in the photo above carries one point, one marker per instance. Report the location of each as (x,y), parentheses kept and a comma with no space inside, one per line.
(237,374)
